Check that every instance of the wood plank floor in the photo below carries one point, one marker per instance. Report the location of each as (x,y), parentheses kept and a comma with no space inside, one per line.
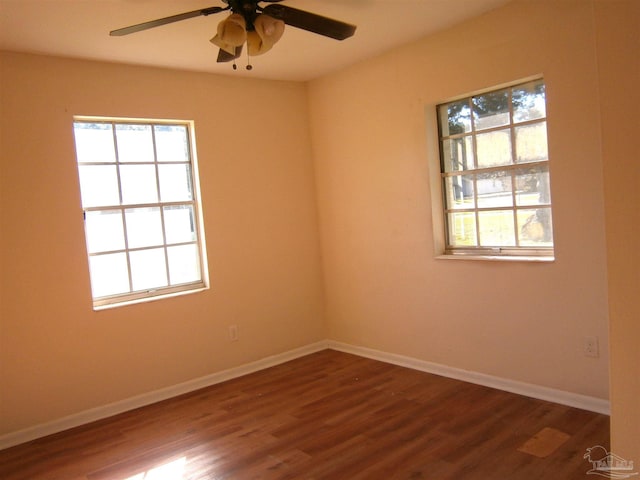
(328,415)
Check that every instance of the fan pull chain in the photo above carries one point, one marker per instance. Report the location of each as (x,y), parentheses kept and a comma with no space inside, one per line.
(249,66)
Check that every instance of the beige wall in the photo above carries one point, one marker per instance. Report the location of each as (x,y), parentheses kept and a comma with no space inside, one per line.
(58,356)
(619,74)
(374,147)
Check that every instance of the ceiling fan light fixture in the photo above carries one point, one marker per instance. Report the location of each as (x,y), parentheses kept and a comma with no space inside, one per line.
(267,31)
(232,33)
(260,27)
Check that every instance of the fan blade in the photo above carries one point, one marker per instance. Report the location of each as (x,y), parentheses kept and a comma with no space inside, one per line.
(310,21)
(163,21)
(224,56)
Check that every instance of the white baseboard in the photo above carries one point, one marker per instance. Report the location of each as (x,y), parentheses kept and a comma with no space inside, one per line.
(98,413)
(535,391)
(562,397)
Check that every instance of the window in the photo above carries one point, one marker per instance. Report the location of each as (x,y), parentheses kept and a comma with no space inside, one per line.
(495,173)
(142,217)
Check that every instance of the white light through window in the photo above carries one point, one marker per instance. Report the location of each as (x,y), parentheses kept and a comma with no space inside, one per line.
(141,209)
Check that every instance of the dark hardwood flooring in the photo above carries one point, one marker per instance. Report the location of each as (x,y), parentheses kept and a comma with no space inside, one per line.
(328,415)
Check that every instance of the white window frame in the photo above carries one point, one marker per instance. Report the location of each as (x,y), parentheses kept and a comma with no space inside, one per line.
(159,292)
(446,248)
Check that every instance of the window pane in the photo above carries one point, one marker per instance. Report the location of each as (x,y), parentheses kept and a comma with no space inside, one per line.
(94,142)
(109,275)
(535,227)
(457,154)
(459,191)
(135,143)
(529,101)
(104,231)
(98,185)
(184,264)
(462,229)
(455,117)
(494,165)
(531,142)
(138,184)
(171,143)
(144,227)
(494,148)
(491,110)
(494,189)
(496,228)
(139,199)
(148,269)
(532,185)
(179,224)
(175,182)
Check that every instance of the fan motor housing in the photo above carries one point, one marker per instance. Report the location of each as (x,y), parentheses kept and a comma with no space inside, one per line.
(247,8)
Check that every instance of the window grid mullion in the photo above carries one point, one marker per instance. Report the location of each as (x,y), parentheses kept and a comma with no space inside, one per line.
(126,247)
(121,206)
(495,209)
(117,159)
(514,209)
(522,123)
(474,147)
(141,205)
(475,209)
(512,134)
(502,168)
(162,220)
(161,209)
(139,249)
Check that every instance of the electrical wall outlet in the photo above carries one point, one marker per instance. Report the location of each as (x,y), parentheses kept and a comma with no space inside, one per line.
(233,333)
(590,347)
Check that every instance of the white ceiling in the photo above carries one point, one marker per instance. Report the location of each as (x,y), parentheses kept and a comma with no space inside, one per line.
(80,28)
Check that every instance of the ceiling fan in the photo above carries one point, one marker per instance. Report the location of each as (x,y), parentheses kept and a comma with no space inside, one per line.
(259,27)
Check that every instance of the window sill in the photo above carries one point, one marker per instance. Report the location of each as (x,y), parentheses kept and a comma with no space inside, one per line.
(497,258)
(148,298)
